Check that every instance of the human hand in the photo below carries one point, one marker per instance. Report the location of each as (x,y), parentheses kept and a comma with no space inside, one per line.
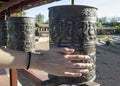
(61,62)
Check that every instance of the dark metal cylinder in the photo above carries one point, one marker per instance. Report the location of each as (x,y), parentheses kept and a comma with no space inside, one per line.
(3,33)
(21,33)
(74,26)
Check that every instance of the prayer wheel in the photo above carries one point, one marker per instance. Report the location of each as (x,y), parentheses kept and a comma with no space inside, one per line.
(21,33)
(3,33)
(74,26)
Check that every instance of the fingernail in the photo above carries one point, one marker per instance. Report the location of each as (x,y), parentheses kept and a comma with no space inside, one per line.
(87,57)
(78,74)
(71,50)
(85,71)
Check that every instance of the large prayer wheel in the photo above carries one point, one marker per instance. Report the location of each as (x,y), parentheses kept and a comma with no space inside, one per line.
(3,33)
(74,26)
(21,33)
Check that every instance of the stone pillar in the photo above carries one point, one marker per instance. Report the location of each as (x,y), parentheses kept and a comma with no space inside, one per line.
(74,26)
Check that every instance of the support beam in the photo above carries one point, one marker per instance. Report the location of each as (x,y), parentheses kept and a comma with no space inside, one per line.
(3,1)
(9,4)
(29,4)
(16,5)
(72,2)
(13,77)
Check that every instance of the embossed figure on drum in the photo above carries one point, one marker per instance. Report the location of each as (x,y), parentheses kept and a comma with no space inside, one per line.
(75,27)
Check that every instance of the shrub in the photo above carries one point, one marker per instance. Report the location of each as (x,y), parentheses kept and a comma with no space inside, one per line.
(108,42)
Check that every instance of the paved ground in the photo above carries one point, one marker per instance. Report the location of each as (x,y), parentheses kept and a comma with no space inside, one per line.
(108,68)
(4,79)
(108,63)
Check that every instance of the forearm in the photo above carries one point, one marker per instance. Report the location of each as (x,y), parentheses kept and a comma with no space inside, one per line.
(16,59)
(55,61)
(12,59)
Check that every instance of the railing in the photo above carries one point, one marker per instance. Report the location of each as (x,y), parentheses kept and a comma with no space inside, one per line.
(35,76)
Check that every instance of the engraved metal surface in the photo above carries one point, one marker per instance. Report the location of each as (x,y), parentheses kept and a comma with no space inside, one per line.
(3,33)
(21,33)
(74,26)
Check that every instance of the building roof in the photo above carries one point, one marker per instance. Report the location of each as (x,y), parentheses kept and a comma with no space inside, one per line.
(17,5)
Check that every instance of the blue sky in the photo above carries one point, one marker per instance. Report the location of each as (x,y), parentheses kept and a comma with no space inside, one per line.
(108,8)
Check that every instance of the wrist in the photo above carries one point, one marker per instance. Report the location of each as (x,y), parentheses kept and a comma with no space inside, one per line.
(29,60)
(36,61)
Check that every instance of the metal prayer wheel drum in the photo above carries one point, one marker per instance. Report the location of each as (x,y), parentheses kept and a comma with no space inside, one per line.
(74,26)
(3,33)
(21,33)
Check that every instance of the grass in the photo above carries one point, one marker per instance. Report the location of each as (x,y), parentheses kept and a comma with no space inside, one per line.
(104,38)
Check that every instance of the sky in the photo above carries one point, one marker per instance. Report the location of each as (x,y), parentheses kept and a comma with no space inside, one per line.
(106,8)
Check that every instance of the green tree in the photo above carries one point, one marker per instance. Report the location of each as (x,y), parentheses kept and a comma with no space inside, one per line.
(118,29)
(99,25)
(113,22)
(101,22)
(21,13)
(39,18)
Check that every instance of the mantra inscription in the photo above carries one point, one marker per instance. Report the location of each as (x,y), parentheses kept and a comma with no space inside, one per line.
(21,33)
(75,30)
(72,32)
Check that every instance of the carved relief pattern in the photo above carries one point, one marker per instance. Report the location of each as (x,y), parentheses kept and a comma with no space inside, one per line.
(21,36)
(72,32)
(3,35)
(89,12)
(3,32)
(76,33)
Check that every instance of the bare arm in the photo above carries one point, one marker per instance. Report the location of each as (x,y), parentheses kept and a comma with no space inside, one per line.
(12,59)
(55,61)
